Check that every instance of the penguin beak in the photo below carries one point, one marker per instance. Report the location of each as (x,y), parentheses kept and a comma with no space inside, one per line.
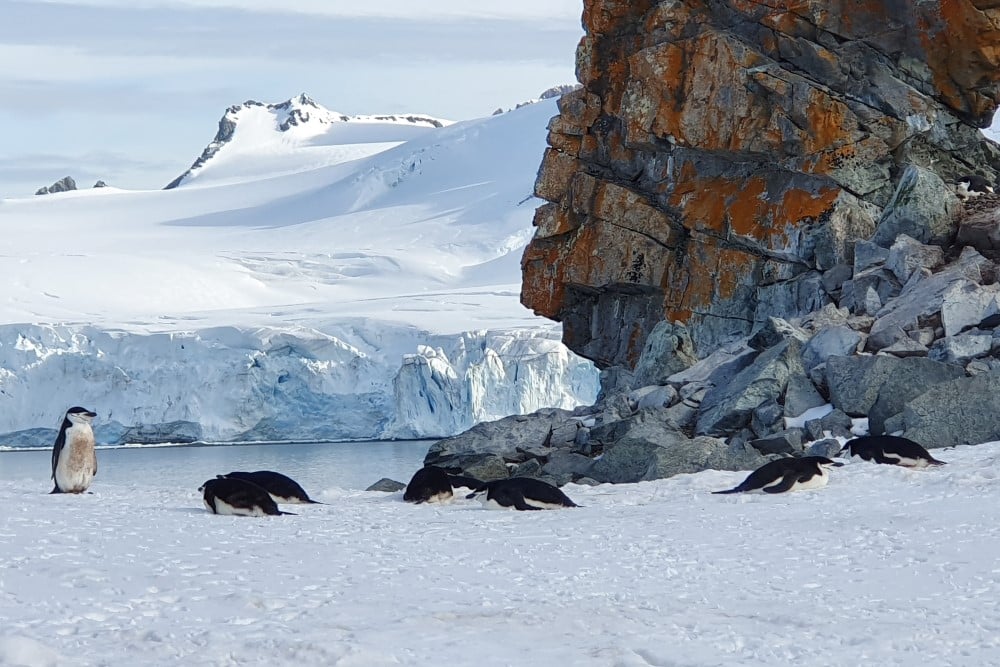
(838,464)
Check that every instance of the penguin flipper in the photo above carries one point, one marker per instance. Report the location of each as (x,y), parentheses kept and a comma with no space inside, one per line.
(786,484)
(735,489)
(55,489)
(520,504)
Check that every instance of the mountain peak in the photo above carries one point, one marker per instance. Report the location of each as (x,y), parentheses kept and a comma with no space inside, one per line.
(301,117)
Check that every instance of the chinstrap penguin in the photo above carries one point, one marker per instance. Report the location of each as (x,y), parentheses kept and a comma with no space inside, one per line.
(972,185)
(891,449)
(787,474)
(429,485)
(237,497)
(521,493)
(74,461)
(283,489)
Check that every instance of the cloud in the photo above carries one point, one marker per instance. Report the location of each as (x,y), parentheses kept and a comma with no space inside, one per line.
(559,10)
(186,33)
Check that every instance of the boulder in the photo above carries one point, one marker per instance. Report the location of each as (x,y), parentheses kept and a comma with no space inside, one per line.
(636,461)
(964,411)
(487,446)
(728,407)
(921,300)
(878,387)
(668,350)
(386,485)
(923,207)
(839,341)
(907,255)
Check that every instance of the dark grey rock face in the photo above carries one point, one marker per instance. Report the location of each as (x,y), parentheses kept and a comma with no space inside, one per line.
(386,485)
(668,350)
(727,408)
(963,411)
(922,207)
(878,387)
(64,184)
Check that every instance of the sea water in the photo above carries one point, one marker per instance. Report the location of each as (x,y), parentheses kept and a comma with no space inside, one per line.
(316,466)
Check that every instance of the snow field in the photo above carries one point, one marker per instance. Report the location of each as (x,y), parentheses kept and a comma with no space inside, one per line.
(884,566)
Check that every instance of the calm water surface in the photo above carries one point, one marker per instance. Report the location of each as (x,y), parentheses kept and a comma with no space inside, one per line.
(348,465)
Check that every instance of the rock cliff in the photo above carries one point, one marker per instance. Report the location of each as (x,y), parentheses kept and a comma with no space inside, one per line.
(723,157)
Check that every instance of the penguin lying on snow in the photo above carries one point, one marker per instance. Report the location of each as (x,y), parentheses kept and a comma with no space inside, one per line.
(787,474)
(521,493)
(74,461)
(283,489)
(891,449)
(431,484)
(237,497)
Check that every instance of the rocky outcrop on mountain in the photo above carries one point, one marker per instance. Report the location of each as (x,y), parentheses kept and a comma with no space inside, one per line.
(64,184)
(722,158)
(547,94)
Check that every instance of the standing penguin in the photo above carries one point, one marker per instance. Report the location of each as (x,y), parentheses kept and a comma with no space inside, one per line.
(74,461)
(787,474)
(891,449)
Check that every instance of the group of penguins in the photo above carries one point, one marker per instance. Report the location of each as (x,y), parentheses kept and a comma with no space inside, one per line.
(74,465)
(258,493)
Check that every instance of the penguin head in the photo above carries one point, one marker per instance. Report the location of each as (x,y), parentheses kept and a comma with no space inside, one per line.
(824,462)
(78,415)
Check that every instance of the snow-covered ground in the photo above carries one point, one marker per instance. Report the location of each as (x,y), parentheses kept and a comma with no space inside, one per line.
(352,258)
(884,566)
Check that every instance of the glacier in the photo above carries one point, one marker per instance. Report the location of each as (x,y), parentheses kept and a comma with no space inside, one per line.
(295,290)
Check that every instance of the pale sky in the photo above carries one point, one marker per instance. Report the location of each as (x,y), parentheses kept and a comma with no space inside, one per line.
(131,91)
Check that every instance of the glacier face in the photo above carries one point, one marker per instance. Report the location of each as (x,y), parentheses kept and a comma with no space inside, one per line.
(361,380)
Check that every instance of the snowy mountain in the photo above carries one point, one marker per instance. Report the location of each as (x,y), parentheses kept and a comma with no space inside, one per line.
(256,140)
(287,288)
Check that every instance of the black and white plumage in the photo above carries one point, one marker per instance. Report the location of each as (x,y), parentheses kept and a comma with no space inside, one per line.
(891,449)
(787,474)
(74,460)
(972,185)
(238,497)
(431,484)
(521,493)
(283,489)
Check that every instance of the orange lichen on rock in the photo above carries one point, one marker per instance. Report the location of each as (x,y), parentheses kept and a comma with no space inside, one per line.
(719,148)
